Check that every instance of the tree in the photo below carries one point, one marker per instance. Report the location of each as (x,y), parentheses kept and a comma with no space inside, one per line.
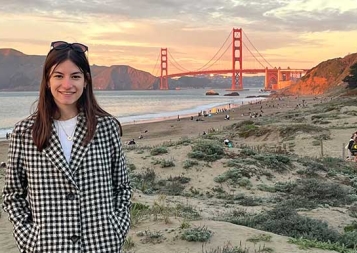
(351,79)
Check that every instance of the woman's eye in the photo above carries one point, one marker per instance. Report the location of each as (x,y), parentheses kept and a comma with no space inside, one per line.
(76,77)
(57,76)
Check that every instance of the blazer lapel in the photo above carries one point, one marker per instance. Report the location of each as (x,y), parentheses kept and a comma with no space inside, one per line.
(55,154)
(78,150)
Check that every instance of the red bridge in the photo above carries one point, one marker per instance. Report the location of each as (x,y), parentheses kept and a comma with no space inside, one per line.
(275,78)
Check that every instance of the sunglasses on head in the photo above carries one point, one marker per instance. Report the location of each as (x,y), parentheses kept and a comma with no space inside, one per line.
(59,45)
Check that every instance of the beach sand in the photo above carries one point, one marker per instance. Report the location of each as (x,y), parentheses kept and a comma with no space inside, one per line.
(156,133)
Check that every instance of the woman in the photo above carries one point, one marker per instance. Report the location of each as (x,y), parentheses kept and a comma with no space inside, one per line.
(67,187)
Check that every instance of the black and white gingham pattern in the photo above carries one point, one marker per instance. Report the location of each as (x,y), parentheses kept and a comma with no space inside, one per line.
(82,206)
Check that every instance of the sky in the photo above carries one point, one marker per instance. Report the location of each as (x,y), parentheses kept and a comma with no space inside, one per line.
(197,33)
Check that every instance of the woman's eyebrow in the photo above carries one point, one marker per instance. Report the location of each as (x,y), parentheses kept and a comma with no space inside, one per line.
(74,73)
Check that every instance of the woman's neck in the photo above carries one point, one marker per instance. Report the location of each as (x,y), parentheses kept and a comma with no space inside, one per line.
(66,115)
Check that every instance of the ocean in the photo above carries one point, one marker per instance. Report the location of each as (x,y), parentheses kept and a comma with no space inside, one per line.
(131,107)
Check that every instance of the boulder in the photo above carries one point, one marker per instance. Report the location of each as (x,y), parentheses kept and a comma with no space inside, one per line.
(232,94)
(212,92)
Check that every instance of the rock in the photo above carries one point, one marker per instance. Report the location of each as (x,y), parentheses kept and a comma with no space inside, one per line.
(212,92)
(232,94)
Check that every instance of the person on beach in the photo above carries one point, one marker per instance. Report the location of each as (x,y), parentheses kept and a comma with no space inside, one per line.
(132,142)
(66,184)
(352,146)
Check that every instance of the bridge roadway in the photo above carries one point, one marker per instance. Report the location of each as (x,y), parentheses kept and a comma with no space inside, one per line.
(227,71)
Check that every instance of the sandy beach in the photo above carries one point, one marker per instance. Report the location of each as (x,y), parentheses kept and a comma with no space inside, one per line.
(157,134)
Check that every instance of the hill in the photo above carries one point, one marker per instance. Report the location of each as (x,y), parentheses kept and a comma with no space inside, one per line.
(19,71)
(323,78)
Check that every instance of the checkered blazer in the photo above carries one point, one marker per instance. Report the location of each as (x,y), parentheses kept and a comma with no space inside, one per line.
(54,206)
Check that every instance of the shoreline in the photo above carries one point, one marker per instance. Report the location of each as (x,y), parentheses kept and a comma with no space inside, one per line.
(133,129)
(158,117)
(171,129)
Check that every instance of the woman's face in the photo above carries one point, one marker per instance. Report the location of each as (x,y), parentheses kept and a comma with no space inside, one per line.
(66,84)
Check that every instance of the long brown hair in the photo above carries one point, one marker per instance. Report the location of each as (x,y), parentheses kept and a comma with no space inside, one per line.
(47,108)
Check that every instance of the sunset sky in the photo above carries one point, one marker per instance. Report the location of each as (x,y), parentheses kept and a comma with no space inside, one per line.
(294,33)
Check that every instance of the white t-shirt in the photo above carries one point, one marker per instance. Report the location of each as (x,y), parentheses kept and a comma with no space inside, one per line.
(65,130)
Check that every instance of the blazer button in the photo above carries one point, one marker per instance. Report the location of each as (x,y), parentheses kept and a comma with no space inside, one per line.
(74,238)
(70,196)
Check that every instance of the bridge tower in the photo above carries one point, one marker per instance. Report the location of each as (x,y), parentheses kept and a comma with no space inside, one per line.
(163,78)
(237,58)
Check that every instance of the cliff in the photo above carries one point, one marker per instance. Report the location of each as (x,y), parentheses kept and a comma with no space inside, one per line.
(323,78)
(123,77)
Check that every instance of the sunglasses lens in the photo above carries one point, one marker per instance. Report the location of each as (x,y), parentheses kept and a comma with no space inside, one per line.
(60,45)
(79,47)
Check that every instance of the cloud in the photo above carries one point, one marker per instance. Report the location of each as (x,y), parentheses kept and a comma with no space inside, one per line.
(269,15)
(189,28)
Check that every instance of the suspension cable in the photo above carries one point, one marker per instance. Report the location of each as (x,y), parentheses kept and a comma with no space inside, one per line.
(253,55)
(181,67)
(228,47)
(158,56)
(257,50)
(177,66)
(229,35)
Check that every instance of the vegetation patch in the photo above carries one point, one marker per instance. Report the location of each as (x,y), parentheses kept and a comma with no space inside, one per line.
(148,183)
(275,162)
(312,192)
(159,151)
(284,220)
(189,164)
(197,234)
(207,150)
(289,131)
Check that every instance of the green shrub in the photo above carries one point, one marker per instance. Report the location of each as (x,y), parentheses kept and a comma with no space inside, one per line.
(158,151)
(131,166)
(234,176)
(275,162)
(153,237)
(207,150)
(180,179)
(187,212)
(250,201)
(265,188)
(172,188)
(197,234)
(349,239)
(166,163)
(247,152)
(323,192)
(189,163)
(284,220)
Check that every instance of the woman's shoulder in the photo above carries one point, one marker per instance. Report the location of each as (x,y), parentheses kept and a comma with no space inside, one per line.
(26,123)
(108,120)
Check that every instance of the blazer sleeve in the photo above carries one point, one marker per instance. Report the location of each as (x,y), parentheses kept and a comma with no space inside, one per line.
(15,192)
(121,186)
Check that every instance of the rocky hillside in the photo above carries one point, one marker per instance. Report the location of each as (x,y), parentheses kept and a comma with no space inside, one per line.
(19,71)
(323,78)
(122,77)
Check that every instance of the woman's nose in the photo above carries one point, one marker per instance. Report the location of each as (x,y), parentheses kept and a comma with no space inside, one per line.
(66,82)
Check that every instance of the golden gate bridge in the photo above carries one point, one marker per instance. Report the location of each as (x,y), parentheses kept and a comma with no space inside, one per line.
(275,78)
